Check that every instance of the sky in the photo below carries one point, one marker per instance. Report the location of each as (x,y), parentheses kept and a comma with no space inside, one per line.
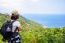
(33,6)
(47,12)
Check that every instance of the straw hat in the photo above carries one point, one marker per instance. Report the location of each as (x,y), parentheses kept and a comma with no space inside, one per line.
(15,12)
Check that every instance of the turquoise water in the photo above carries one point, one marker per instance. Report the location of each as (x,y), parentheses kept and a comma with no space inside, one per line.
(52,20)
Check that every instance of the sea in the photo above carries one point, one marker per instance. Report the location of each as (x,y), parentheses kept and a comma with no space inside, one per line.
(49,20)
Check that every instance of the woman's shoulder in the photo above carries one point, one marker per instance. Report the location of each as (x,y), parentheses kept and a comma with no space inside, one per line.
(17,22)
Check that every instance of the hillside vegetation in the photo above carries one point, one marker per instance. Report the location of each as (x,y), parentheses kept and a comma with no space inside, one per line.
(33,32)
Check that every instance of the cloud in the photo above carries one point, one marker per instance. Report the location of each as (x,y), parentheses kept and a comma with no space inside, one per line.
(32,6)
(35,0)
(45,10)
(10,5)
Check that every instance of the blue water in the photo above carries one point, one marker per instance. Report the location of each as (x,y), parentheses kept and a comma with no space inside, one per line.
(52,20)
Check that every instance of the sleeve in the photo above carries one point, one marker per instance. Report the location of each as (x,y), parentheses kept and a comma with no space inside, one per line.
(18,24)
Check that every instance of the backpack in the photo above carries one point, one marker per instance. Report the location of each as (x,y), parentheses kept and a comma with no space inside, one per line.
(6,29)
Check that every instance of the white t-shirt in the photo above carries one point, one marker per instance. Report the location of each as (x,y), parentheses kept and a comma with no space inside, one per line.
(15,24)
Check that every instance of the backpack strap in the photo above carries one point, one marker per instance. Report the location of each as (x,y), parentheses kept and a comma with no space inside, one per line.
(16,29)
(12,24)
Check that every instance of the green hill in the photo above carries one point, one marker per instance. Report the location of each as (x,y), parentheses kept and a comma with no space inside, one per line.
(25,23)
(33,32)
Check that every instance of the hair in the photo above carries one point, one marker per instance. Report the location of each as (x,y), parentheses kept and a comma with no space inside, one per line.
(15,16)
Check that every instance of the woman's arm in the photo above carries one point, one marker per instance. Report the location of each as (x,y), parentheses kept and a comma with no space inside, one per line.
(19,29)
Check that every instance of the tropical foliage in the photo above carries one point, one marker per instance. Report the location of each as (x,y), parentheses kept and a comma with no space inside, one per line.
(33,32)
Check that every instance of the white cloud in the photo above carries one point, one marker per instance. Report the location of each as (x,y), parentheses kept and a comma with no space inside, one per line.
(31,6)
(45,10)
(11,4)
(35,0)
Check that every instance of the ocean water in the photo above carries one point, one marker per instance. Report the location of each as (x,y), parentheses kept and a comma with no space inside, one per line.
(49,20)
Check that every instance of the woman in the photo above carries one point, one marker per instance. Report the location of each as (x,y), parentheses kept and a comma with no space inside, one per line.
(16,27)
